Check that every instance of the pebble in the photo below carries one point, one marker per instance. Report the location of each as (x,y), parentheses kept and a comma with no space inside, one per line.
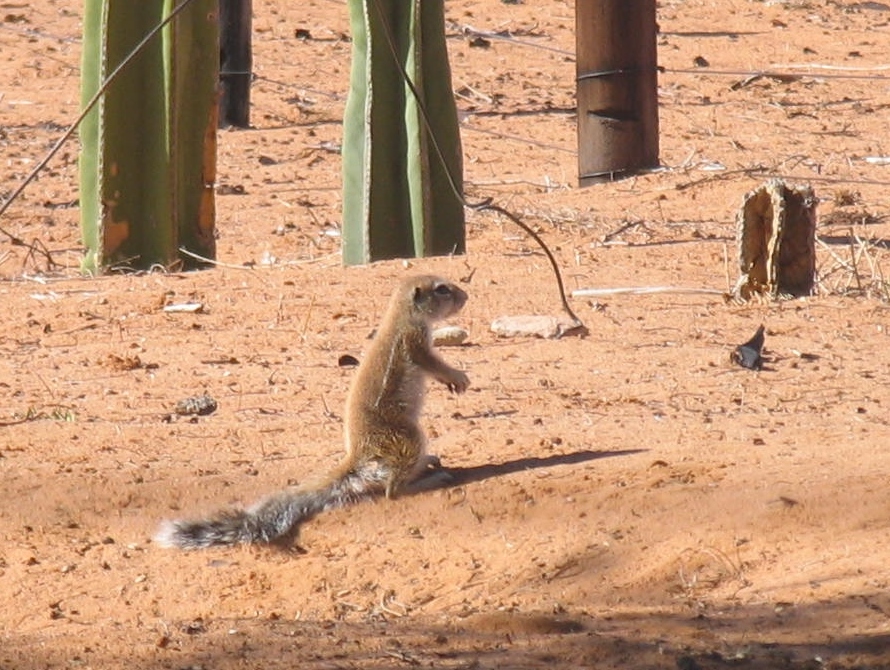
(449,336)
(547,327)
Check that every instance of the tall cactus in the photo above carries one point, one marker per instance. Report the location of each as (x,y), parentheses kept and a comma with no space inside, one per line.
(398,197)
(148,157)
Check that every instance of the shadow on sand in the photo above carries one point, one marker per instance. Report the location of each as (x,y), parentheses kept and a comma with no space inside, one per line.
(478,473)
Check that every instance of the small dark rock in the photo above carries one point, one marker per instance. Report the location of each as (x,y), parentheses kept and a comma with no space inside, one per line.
(748,354)
(201,405)
(347,361)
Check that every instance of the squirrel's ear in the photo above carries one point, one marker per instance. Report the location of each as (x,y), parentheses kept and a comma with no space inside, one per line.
(418,292)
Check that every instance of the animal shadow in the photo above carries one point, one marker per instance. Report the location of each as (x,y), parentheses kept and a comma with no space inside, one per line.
(478,473)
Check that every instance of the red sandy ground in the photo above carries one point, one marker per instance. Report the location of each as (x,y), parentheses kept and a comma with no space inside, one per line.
(625,500)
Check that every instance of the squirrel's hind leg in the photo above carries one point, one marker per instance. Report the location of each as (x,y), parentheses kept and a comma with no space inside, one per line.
(428,475)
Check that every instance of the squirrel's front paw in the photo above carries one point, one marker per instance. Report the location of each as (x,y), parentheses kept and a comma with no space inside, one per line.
(458,382)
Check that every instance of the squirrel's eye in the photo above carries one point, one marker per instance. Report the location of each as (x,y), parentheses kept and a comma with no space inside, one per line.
(442,289)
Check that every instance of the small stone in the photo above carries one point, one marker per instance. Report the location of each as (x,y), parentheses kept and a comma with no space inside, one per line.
(547,327)
(186,307)
(347,361)
(196,406)
(449,336)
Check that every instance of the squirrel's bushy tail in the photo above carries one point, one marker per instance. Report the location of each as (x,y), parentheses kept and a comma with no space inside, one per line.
(275,519)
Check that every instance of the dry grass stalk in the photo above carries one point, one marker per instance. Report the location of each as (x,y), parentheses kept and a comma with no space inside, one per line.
(859,274)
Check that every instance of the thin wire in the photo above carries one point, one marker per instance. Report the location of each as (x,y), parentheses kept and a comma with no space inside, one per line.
(705,71)
(517,138)
(571,56)
(17,241)
(469,30)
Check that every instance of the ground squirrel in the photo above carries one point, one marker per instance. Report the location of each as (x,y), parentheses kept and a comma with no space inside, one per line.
(385,446)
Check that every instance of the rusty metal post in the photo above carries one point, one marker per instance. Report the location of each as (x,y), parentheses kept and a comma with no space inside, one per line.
(235,62)
(617,88)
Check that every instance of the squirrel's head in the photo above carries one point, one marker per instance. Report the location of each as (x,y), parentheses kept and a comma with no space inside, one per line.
(434,298)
